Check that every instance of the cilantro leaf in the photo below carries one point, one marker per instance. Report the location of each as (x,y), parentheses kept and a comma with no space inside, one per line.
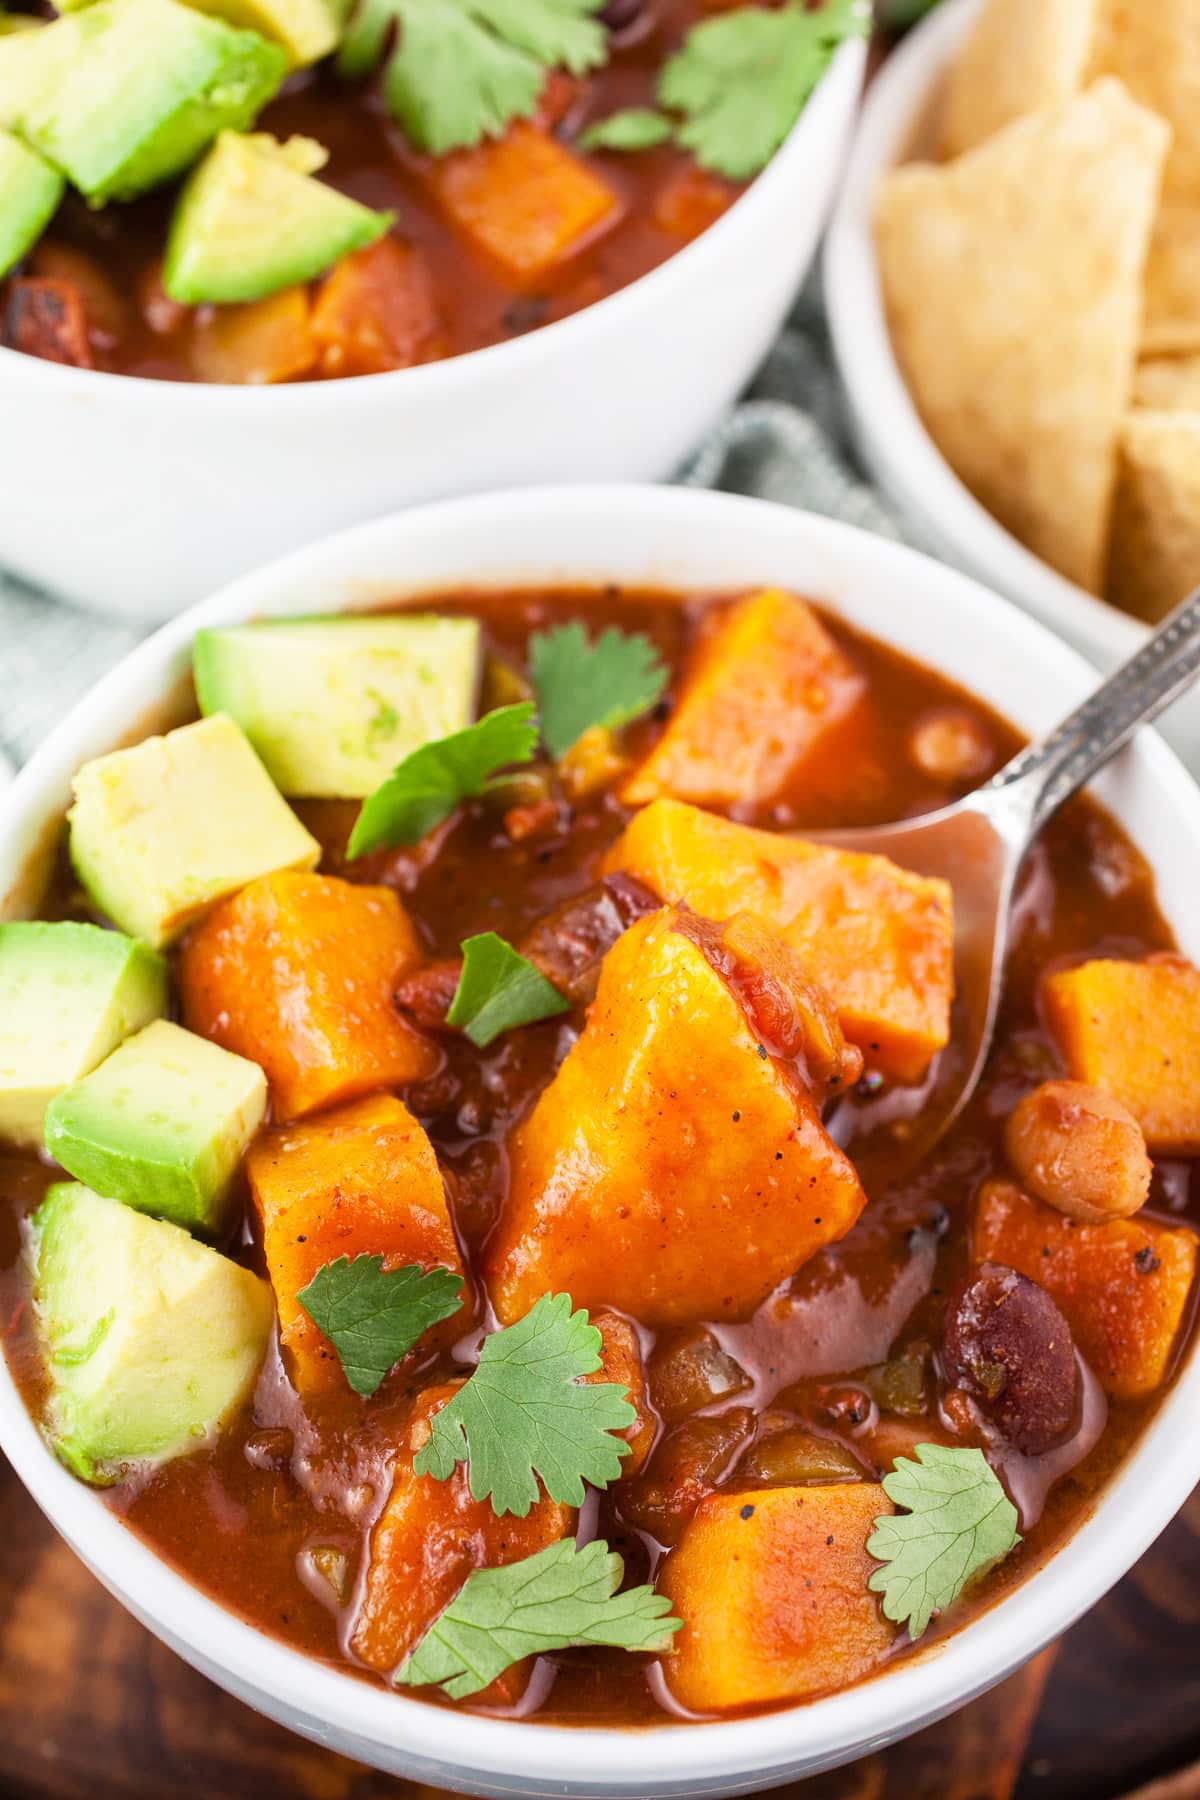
(499,989)
(556,1599)
(373,1316)
(637,128)
(431,781)
(462,70)
(579,685)
(959,1522)
(741,80)
(525,1413)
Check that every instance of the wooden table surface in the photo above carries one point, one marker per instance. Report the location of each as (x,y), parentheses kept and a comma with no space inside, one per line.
(91,1705)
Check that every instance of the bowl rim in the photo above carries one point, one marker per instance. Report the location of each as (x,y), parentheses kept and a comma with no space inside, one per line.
(836,92)
(506,1756)
(889,427)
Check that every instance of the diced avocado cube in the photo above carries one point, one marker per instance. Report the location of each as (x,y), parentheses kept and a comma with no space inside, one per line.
(30,191)
(161,832)
(251,220)
(69,994)
(332,705)
(161,1124)
(126,94)
(24,68)
(306,29)
(151,1340)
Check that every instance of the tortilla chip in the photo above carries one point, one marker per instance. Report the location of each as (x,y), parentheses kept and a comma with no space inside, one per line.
(1013,281)
(1153,46)
(1156,522)
(1168,384)
(1022,55)
(1173,281)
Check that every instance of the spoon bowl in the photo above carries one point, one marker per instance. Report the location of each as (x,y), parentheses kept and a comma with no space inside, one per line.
(977,846)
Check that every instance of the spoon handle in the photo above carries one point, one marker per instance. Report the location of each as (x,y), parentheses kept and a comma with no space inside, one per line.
(1055,767)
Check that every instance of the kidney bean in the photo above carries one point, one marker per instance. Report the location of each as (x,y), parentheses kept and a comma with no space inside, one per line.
(1080,1151)
(1007,1345)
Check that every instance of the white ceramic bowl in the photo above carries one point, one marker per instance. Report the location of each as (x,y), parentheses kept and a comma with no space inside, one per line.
(892,438)
(139,497)
(679,539)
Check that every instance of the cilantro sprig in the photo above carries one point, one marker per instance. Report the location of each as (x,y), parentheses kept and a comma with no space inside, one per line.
(373,1316)
(457,71)
(556,1599)
(958,1522)
(580,684)
(525,1413)
(435,778)
(499,989)
(737,85)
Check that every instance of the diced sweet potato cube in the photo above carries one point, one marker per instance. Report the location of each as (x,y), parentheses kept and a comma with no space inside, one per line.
(523,200)
(257,345)
(673,1168)
(297,972)
(429,1538)
(879,938)
(621,1361)
(1122,1287)
(761,691)
(690,200)
(1134,1029)
(771,1585)
(359,1181)
(376,311)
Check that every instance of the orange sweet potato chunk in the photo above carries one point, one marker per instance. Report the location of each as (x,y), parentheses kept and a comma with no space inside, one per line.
(359,1181)
(428,1539)
(297,973)
(376,311)
(621,1361)
(771,1586)
(1133,1029)
(671,1169)
(523,200)
(258,345)
(1123,1287)
(760,694)
(879,938)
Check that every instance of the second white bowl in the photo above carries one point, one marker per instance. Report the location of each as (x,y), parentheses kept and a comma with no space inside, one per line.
(138,497)
(891,436)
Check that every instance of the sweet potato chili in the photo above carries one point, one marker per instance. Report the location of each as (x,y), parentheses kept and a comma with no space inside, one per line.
(350,191)
(507,1071)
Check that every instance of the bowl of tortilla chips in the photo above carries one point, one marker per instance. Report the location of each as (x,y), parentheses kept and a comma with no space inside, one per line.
(1013,278)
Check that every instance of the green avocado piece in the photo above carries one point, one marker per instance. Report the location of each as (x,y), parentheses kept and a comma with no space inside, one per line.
(69,994)
(332,705)
(30,191)
(24,68)
(162,831)
(305,29)
(126,94)
(161,1124)
(151,1340)
(251,220)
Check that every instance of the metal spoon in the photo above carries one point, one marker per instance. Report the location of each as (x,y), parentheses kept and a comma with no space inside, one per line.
(978,845)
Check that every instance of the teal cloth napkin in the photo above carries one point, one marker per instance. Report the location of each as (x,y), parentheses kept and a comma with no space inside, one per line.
(786,441)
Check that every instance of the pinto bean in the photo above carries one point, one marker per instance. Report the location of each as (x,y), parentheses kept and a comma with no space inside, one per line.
(1080,1151)
(1006,1344)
